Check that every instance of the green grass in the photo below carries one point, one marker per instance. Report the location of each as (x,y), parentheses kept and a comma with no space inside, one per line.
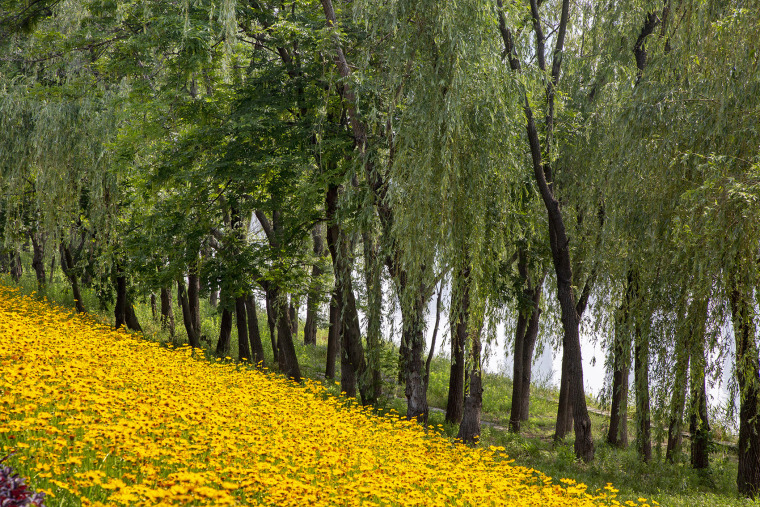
(669,484)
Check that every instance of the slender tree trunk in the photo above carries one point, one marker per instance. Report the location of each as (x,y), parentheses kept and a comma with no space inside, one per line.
(257,348)
(131,317)
(17,268)
(459,318)
(193,298)
(431,352)
(244,351)
(618,431)
(120,309)
(225,334)
(333,338)
(272,324)
(747,374)
(153,306)
(67,265)
(167,311)
(38,260)
(641,379)
(312,303)
(529,346)
(698,420)
(469,429)
(515,413)
(52,270)
(413,336)
(564,422)
(678,399)
(372,272)
(294,316)
(287,358)
(352,353)
(526,333)
(193,335)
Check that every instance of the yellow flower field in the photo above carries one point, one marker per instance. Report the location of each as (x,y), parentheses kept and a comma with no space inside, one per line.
(98,417)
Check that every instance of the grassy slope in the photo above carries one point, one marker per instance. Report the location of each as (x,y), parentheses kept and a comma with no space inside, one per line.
(676,485)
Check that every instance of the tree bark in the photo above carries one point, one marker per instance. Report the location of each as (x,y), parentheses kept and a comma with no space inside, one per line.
(131,318)
(618,431)
(167,311)
(529,346)
(310,327)
(678,399)
(352,353)
(257,348)
(38,260)
(17,269)
(67,265)
(120,308)
(372,272)
(193,298)
(225,332)
(698,422)
(641,380)
(293,316)
(244,351)
(564,422)
(287,358)
(272,324)
(526,333)
(333,338)
(469,429)
(747,371)
(193,334)
(460,311)
(413,335)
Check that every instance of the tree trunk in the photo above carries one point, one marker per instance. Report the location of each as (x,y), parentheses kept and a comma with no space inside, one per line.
(515,413)
(193,298)
(38,260)
(225,333)
(272,324)
(294,316)
(469,429)
(372,272)
(333,338)
(414,338)
(352,353)
(153,306)
(312,303)
(526,333)
(287,358)
(699,425)
(678,399)
(747,371)
(131,318)
(67,265)
(257,348)
(564,422)
(641,380)
(52,270)
(460,311)
(120,309)
(529,346)
(167,312)
(17,268)
(244,351)
(193,335)
(618,431)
